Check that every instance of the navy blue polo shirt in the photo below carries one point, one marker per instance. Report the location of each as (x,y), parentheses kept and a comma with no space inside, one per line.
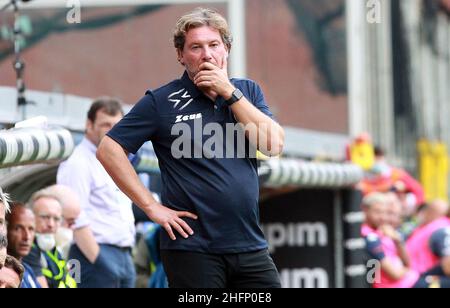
(222,192)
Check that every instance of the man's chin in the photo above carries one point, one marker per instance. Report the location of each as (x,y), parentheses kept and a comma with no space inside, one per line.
(23,252)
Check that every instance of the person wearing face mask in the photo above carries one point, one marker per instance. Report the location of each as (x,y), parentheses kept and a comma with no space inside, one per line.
(384,178)
(71,210)
(45,257)
(105,230)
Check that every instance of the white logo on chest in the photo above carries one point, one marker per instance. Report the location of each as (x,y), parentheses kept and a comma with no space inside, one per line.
(181,118)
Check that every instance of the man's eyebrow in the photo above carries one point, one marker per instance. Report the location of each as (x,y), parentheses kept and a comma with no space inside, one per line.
(204,42)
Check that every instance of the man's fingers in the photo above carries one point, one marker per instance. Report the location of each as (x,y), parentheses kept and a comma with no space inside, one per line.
(185,226)
(169,230)
(180,230)
(225,62)
(204,82)
(203,74)
(202,78)
(207,66)
(187,214)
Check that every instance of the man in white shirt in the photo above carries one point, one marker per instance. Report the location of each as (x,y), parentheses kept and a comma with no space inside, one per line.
(105,229)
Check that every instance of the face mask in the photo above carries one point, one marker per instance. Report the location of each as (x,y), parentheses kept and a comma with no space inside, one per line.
(64,237)
(46,241)
(381,168)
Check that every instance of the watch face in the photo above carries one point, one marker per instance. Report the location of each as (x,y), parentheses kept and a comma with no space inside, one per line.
(237,94)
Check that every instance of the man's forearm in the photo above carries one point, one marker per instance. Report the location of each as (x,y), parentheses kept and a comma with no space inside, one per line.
(403,253)
(116,163)
(262,131)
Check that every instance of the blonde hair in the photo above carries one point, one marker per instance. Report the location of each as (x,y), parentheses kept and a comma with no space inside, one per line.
(198,18)
(43,193)
(374,198)
(4,198)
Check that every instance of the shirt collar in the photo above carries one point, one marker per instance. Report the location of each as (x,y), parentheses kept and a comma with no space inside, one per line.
(89,145)
(193,90)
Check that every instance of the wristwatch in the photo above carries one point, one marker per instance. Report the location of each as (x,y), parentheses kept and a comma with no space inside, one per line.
(235,96)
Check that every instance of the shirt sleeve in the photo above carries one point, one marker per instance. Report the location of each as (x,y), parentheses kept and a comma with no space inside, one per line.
(77,177)
(258,99)
(138,126)
(374,247)
(440,243)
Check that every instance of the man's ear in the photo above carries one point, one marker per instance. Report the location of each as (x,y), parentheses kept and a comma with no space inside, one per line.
(180,56)
(89,124)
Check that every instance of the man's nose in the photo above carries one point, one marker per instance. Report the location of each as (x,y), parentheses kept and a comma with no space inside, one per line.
(207,54)
(51,225)
(26,236)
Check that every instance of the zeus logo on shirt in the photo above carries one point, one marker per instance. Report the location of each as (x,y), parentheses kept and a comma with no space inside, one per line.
(182,118)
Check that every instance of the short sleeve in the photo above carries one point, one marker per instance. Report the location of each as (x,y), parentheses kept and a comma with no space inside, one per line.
(138,126)
(374,247)
(258,99)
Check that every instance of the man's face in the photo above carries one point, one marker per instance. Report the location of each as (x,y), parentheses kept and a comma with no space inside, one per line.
(2,257)
(9,279)
(203,44)
(95,131)
(2,216)
(21,229)
(48,215)
(395,214)
(377,215)
(70,217)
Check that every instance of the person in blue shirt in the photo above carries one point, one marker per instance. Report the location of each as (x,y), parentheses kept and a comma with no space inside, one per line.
(29,280)
(21,232)
(209,211)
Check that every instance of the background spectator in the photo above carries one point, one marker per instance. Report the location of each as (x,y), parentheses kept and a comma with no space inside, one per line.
(45,254)
(21,231)
(71,210)
(105,230)
(3,249)
(4,208)
(11,274)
